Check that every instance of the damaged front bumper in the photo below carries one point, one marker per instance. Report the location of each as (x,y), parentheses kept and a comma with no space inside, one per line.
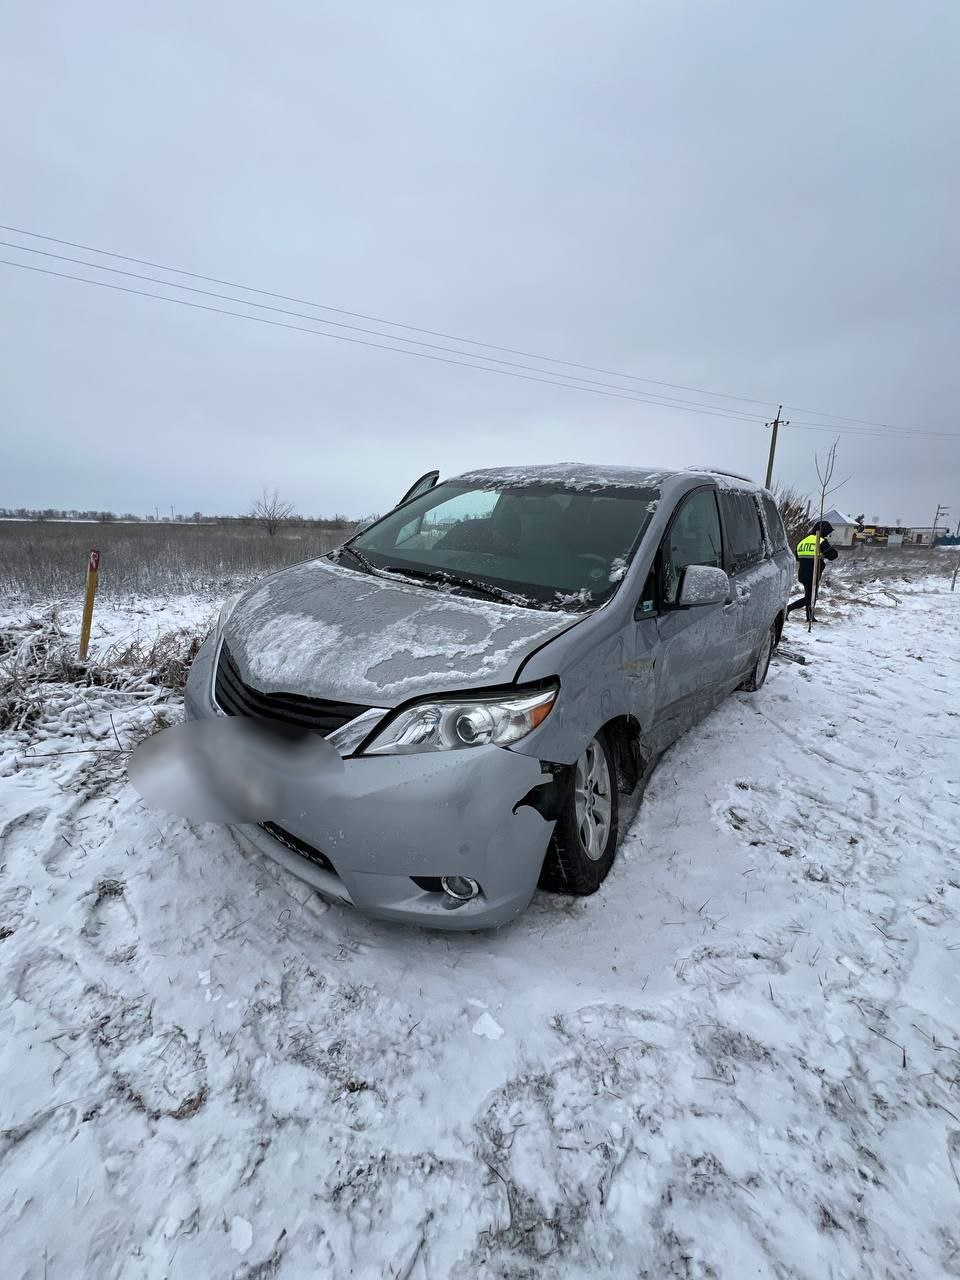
(396,824)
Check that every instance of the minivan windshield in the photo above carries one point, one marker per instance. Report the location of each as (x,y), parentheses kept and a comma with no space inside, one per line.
(549,546)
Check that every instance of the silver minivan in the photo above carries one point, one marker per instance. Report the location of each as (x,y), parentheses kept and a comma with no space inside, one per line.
(499,662)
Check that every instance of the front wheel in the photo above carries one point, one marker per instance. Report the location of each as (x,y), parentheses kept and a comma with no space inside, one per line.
(585,838)
(758,675)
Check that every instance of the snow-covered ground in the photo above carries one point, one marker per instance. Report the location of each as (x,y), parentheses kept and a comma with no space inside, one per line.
(740,1059)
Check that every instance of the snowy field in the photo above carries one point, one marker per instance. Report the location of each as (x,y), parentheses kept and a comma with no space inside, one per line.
(740,1059)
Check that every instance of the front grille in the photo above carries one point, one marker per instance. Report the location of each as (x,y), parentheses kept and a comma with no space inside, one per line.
(296,845)
(318,715)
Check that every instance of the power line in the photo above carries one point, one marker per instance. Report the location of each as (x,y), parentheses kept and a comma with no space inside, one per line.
(434,333)
(887,433)
(592,388)
(530,374)
(866,432)
(340,337)
(433,346)
(866,422)
(394,324)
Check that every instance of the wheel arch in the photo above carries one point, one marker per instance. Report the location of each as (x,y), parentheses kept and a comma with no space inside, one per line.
(630,753)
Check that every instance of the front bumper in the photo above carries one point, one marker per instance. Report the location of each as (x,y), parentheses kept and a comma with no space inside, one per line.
(398,817)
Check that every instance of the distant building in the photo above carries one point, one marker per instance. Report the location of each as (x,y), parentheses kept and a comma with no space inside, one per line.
(922,536)
(843,528)
(857,531)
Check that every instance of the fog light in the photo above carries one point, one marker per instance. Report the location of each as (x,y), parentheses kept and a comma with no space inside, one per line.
(460,887)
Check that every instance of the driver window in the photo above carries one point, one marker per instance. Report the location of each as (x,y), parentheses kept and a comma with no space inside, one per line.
(694,538)
(475,505)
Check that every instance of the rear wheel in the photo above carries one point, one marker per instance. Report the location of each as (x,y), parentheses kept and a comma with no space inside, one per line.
(585,838)
(762,665)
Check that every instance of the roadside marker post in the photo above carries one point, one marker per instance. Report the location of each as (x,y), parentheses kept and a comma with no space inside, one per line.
(93,569)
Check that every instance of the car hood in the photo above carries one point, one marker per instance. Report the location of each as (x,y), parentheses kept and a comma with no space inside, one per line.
(321,630)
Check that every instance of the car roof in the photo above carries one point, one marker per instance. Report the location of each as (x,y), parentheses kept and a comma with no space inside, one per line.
(725,479)
(575,475)
(570,474)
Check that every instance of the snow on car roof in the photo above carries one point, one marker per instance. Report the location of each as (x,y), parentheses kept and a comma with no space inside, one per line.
(572,475)
(725,479)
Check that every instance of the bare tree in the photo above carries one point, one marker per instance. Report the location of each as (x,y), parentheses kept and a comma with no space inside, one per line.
(825,476)
(270,511)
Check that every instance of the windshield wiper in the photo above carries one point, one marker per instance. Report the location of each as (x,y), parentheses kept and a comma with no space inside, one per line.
(443,578)
(361,560)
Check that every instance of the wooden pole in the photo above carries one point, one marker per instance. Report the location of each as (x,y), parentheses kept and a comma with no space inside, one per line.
(936,521)
(777,423)
(815,585)
(93,569)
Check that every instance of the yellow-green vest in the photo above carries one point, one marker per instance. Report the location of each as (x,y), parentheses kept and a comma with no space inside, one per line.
(807,547)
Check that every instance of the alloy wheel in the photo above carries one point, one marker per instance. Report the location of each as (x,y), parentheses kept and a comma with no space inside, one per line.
(593,802)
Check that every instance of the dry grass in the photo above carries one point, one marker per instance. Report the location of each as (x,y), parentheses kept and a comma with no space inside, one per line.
(166,659)
(41,678)
(889,566)
(44,560)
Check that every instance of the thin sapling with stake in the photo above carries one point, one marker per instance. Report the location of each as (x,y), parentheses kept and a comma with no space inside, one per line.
(825,476)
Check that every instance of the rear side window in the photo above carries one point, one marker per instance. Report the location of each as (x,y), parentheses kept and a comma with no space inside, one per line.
(741,523)
(775,529)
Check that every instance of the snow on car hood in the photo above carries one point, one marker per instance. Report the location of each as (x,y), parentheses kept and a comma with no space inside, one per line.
(323,631)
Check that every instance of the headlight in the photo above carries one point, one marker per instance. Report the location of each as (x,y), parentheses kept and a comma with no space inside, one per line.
(453,724)
(226,609)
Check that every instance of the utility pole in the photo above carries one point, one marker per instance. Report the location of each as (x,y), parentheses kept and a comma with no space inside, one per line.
(941,511)
(777,423)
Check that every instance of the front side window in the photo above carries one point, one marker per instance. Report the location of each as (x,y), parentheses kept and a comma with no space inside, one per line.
(741,522)
(551,545)
(694,538)
(775,529)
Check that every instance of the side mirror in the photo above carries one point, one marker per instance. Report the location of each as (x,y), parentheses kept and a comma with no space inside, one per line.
(702,584)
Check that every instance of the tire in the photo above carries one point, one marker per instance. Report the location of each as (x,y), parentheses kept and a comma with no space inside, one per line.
(584,840)
(761,666)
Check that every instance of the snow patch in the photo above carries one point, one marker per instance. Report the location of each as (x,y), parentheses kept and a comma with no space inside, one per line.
(241,1235)
(487,1027)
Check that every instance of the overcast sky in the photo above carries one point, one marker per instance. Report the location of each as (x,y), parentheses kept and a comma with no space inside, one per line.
(749,198)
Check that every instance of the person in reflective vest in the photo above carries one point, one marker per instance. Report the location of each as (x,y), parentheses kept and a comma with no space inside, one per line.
(806,555)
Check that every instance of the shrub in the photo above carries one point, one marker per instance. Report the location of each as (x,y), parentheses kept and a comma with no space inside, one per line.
(794,512)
